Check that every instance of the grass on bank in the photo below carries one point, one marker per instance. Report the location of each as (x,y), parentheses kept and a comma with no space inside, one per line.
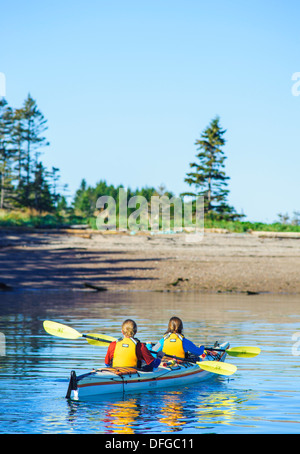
(245,226)
(33,219)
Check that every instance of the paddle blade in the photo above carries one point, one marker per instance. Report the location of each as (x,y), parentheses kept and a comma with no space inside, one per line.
(244,352)
(217,367)
(59,330)
(100,340)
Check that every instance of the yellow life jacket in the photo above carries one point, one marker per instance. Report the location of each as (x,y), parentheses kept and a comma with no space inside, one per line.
(125,353)
(173,345)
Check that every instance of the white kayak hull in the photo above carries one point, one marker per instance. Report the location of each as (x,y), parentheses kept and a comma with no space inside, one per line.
(110,380)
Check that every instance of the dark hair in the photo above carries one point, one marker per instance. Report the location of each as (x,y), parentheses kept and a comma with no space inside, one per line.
(175,325)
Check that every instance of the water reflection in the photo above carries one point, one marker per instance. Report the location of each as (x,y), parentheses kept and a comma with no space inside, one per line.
(211,408)
(113,416)
(172,411)
(166,411)
(122,416)
(217,408)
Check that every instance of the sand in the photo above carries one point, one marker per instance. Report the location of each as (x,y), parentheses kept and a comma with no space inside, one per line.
(220,262)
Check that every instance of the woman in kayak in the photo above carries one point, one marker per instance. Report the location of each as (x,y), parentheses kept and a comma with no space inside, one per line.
(174,342)
(129,351)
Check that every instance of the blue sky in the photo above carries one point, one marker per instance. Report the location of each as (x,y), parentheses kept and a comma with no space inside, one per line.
(128,86)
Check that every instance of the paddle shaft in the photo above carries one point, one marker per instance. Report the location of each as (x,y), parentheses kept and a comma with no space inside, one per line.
(86,336)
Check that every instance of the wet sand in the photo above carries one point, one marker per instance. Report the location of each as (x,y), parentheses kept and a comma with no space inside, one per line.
(221,262)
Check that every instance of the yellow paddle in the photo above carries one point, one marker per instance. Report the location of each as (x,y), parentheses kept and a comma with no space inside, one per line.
(66,332)
(241,352)
(217,367)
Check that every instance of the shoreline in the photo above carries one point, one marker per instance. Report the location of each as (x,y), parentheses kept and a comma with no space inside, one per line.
(223,262)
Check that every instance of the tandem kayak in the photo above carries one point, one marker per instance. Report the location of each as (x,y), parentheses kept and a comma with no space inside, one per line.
(121,380)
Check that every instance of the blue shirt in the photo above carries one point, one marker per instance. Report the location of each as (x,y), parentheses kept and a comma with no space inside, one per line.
(187,345)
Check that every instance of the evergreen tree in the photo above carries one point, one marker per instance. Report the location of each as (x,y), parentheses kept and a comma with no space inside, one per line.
(30,126)
(24,181)
(34,125)
(18,139)
(208,176)
(7,153)
(58,199)
(43,199)
(83,202)
(36,195)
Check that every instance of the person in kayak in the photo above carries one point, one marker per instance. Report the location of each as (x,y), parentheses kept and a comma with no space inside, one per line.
(174,342)
(129,351)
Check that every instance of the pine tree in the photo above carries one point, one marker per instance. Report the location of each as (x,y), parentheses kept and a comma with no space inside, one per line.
(7,153)
(54,186)
(24,181)
(208,176)
(34,125)
(43,199)
(18,139)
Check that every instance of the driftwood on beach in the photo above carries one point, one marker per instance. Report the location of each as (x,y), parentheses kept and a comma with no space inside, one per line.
(263,234)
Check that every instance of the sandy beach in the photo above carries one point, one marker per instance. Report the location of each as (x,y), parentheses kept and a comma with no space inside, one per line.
(220,262)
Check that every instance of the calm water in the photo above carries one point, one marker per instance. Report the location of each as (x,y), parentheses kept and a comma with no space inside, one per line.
(263,396)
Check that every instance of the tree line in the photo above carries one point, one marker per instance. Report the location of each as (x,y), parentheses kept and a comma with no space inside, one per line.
(24,180)
(26,183)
